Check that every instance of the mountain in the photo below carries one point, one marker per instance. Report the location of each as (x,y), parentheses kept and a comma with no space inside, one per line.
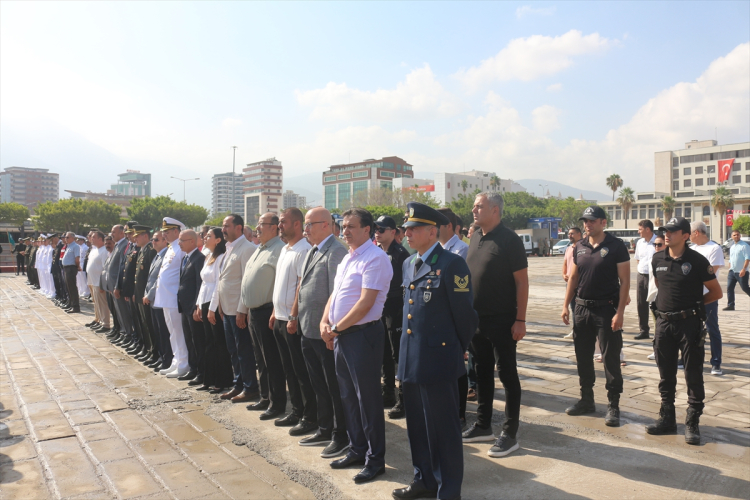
(532,186)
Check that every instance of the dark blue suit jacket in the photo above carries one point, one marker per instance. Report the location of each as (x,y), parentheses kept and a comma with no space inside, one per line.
(439,319)
(190,282)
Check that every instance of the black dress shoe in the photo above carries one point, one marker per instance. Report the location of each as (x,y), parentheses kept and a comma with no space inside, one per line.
(261,405)
(270,414)
(349,460)
(369,473)
(154,363)
(317,439)
(197,380)
(287,421)
(134,349)
(143,355)
(90,324)
(73,310)
(205,388)
(415,490)
(95,326)
(303,427)
(188,376)
(219,390)
(641,336)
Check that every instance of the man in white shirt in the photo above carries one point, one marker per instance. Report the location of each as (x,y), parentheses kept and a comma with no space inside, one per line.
(284,321)
(94,267)
(644,250)
(715,255)
(448,238)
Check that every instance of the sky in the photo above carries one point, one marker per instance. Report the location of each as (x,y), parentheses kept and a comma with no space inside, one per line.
(565,91)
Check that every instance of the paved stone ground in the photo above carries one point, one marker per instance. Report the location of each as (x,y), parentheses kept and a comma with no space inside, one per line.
(79,418)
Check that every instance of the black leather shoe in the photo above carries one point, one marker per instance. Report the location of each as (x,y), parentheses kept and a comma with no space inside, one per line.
(270,414)
(349,460)
(134,349)
(95,326)
(73,310)
(90,324)
(369,473)
(641,336)
(188,376)
(415,490)
(197,380)
(156,362)
(143,355)
(289,420)
(303,427)
(261,405)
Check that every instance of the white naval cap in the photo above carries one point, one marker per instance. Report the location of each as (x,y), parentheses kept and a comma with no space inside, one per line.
(170,223)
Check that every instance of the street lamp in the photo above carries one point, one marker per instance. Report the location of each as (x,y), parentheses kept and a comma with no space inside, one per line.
(183,184)
(543,186)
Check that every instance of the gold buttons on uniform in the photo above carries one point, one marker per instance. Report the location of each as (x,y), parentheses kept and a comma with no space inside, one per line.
(409,316)
(411,301)
(443,343)
(408,331)
(411,287)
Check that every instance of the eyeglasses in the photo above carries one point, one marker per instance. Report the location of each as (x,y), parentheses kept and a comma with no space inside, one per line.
(381,230)
(310,224)
(658,245)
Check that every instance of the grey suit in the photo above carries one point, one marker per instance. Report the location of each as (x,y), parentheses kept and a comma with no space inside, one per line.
(316,286)
(113,269)
(153,276)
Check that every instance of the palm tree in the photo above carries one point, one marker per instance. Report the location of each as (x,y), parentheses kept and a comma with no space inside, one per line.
(464,185)
(614,182)
(494,182)
(667,204)
(721,200)
(626,200)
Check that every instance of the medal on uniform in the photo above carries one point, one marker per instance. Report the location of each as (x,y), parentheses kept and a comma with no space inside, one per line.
(686,267)
(427,296)
(604,251)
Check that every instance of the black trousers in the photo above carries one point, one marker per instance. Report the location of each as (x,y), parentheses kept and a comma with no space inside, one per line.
(392,321)
(493,346)
(135,314)
(20,264)
(217,371)
(71,272)
(594,323)
(150,337)
(301,392)
(321,368)
(267,351)
(113,312)
(195,340)
(33,276)
(643,309)
(689,337)
(160,324)
(59,281)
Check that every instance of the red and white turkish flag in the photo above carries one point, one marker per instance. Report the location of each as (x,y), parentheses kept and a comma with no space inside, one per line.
(725,166)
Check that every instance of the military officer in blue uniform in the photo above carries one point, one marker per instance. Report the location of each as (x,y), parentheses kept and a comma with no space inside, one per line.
(439,322)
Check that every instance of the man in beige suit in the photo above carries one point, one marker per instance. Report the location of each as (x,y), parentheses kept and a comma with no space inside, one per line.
(225,301)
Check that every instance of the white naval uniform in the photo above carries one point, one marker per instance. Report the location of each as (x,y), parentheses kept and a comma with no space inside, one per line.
(166,298)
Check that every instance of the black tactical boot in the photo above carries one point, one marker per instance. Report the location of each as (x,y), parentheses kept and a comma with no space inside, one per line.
(389,397)
(584,405)
(666,423)
(398,409)
(612,419)
(692,432)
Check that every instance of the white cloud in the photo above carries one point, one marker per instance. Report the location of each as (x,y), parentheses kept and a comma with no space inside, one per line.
(228,123)
(419,97)
(528,10)
(545,118)
(555,87)
(534,57)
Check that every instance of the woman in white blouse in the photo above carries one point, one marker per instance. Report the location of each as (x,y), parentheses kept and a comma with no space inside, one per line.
(218,365)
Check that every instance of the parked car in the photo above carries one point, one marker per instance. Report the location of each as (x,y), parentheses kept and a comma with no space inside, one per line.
(728,244)
(560,247)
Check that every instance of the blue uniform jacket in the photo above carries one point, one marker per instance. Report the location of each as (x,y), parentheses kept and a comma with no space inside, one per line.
(439,319)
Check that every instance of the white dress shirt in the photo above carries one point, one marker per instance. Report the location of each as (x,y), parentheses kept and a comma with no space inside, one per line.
(644,251)
(94,266)
(288,273)
(210,276)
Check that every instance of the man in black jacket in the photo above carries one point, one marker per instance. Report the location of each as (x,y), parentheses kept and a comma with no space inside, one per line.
(20,251)
(187,295)
(126,286)
(146,254)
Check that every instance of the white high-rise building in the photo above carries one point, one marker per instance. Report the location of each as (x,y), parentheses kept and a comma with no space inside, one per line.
(264,184)
(222,198)
(446,187)
(292,199)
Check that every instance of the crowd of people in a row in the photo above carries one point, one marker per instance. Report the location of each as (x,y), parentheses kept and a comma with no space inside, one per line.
(343,326)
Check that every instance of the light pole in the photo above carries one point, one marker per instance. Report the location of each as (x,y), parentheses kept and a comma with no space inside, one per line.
(234,195)
(183,184)
(543,186)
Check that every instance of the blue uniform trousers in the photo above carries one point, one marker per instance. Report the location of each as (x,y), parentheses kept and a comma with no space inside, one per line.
(160,324)
(358,359)
(434,431)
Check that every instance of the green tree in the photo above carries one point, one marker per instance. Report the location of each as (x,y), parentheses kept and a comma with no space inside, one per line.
(216,220)
(667,205)
(13,213)
(150,211)
(614,182)
(568,209)
(721,200)
(494,182)
(464,185)
(742,224)
(462,206)
(626,200)
(75,214)
(378,210)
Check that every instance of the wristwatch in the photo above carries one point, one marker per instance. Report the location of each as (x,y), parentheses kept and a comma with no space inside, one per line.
(292,318)
(334,328)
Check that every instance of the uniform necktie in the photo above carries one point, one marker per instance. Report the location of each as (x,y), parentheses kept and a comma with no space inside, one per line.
(417,264)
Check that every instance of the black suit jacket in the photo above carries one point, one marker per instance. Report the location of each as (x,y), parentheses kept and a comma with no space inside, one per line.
(190,282)
(127,277)
(143,266)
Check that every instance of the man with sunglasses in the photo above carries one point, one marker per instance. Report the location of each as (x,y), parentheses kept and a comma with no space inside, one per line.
(644,250)
(385,236)
(682,275)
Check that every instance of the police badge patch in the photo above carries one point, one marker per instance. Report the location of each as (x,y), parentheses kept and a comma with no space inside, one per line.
(604,251)
(427,296)
(686,267)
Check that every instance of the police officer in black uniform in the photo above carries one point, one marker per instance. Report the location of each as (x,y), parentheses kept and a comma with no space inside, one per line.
(438,323)
(126,286)
(146,254)
(20,251)
(600,282)
(385,236)
(681,274)
(31,265)
(61,291)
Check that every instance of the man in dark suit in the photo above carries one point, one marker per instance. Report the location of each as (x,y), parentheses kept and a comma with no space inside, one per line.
(56,270)
(110,278)
(438,324)
(315,286)
(187,295)
(134,345)
(20,251)
(157,314)
(150,351)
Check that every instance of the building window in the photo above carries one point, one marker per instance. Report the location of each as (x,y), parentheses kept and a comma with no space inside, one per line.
(747,165)
(651,212)
(634,214)
(386,185)
(687,183)
(610,214)
(712,181)
(357,187)
(687,170)
(676,173)
(659,212)
(675,185)
(330,178)
(343,177)
(736,179)
(698,170)
(383,173)
(642,212)
(737,166)
(711,169)
(675,162)
(618,214)
(361,174)
(345,195)
(330,200)
(698,182)
(706,211)
(688,212)
(678,211)
(747,178)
